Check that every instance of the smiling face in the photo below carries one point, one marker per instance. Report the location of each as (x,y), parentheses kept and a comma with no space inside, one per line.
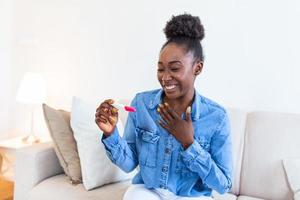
(177,71)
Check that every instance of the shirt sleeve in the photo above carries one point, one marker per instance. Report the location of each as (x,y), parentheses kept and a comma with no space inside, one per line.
(122,151)
(214,167)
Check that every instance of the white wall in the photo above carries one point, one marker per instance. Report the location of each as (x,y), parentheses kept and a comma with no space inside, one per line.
(5,67)
(109,49)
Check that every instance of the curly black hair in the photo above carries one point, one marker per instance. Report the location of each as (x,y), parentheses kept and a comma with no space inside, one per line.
(186,30)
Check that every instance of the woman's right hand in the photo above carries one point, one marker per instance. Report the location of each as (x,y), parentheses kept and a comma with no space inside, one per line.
(106,117)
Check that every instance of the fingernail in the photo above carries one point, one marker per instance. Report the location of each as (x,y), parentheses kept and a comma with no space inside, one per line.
(188,109)
(158,109)
(114,110)
(161,105)
(166,104)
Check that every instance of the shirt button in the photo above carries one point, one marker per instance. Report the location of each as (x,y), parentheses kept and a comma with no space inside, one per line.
(162,186)
(165,169)
(167,151)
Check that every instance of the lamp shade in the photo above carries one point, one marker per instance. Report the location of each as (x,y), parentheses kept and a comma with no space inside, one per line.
(32,89)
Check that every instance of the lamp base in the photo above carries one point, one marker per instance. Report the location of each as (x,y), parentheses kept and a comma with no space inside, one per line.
(30,139)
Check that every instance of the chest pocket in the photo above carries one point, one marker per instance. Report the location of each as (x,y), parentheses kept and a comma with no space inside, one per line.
(148,150)
(180,165)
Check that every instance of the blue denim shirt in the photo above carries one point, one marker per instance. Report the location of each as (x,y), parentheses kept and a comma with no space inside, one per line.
(204,166)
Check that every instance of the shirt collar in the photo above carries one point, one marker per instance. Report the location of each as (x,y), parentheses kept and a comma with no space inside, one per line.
(196,105)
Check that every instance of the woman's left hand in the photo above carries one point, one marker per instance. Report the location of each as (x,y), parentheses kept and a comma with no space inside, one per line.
(181,129)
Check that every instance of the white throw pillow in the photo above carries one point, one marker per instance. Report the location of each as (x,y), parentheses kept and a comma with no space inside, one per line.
(96,167)
(292,170)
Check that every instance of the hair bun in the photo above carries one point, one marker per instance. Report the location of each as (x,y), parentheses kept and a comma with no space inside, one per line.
(184,25)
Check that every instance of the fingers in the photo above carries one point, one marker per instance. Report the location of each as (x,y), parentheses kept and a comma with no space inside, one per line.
(114,110)
(161,123)
(106,119)
(169,116)
(103,113)
(107,107)
(100,119)
(188,114)
(104,106)
(112,120)
(109,101)
(106,112)
(171,112)
(101,116)
(165,114)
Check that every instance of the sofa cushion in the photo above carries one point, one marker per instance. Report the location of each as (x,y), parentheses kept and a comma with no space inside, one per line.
(58,122)
(237,120)
(270,137)
(248,198)
(226,196)
(292,170)
(58,188)
(96,167)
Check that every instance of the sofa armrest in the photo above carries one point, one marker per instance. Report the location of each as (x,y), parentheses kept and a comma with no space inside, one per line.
(33,165)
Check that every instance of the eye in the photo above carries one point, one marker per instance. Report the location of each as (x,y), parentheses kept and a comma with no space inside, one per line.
(160,70)
(174,69)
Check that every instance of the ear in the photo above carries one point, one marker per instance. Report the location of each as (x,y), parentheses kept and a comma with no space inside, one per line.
(198,68)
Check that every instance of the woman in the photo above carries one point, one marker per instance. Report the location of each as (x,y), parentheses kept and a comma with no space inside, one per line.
(180,139)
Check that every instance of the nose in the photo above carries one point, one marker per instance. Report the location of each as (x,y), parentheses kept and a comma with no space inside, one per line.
(166,76)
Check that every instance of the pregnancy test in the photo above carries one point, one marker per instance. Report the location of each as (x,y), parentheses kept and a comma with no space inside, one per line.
(126,108)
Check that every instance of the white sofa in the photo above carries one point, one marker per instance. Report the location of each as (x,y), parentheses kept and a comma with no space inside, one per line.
(261,140)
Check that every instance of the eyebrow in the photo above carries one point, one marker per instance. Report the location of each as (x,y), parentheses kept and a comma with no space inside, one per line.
(171,62)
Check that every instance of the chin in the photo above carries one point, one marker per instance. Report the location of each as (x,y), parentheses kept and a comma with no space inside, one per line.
(173,95)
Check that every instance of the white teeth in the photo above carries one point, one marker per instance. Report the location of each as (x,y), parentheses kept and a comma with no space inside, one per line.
(170,87)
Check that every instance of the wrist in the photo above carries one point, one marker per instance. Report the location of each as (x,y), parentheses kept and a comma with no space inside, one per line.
(107,134)
(187,144)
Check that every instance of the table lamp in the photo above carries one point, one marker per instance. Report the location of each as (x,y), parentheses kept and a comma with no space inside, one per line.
(32,91)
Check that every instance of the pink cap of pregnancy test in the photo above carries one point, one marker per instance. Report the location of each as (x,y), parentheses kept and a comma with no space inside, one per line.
(129,109)
(126,108)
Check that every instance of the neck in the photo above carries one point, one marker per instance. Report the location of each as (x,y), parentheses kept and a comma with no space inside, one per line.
(180,104)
